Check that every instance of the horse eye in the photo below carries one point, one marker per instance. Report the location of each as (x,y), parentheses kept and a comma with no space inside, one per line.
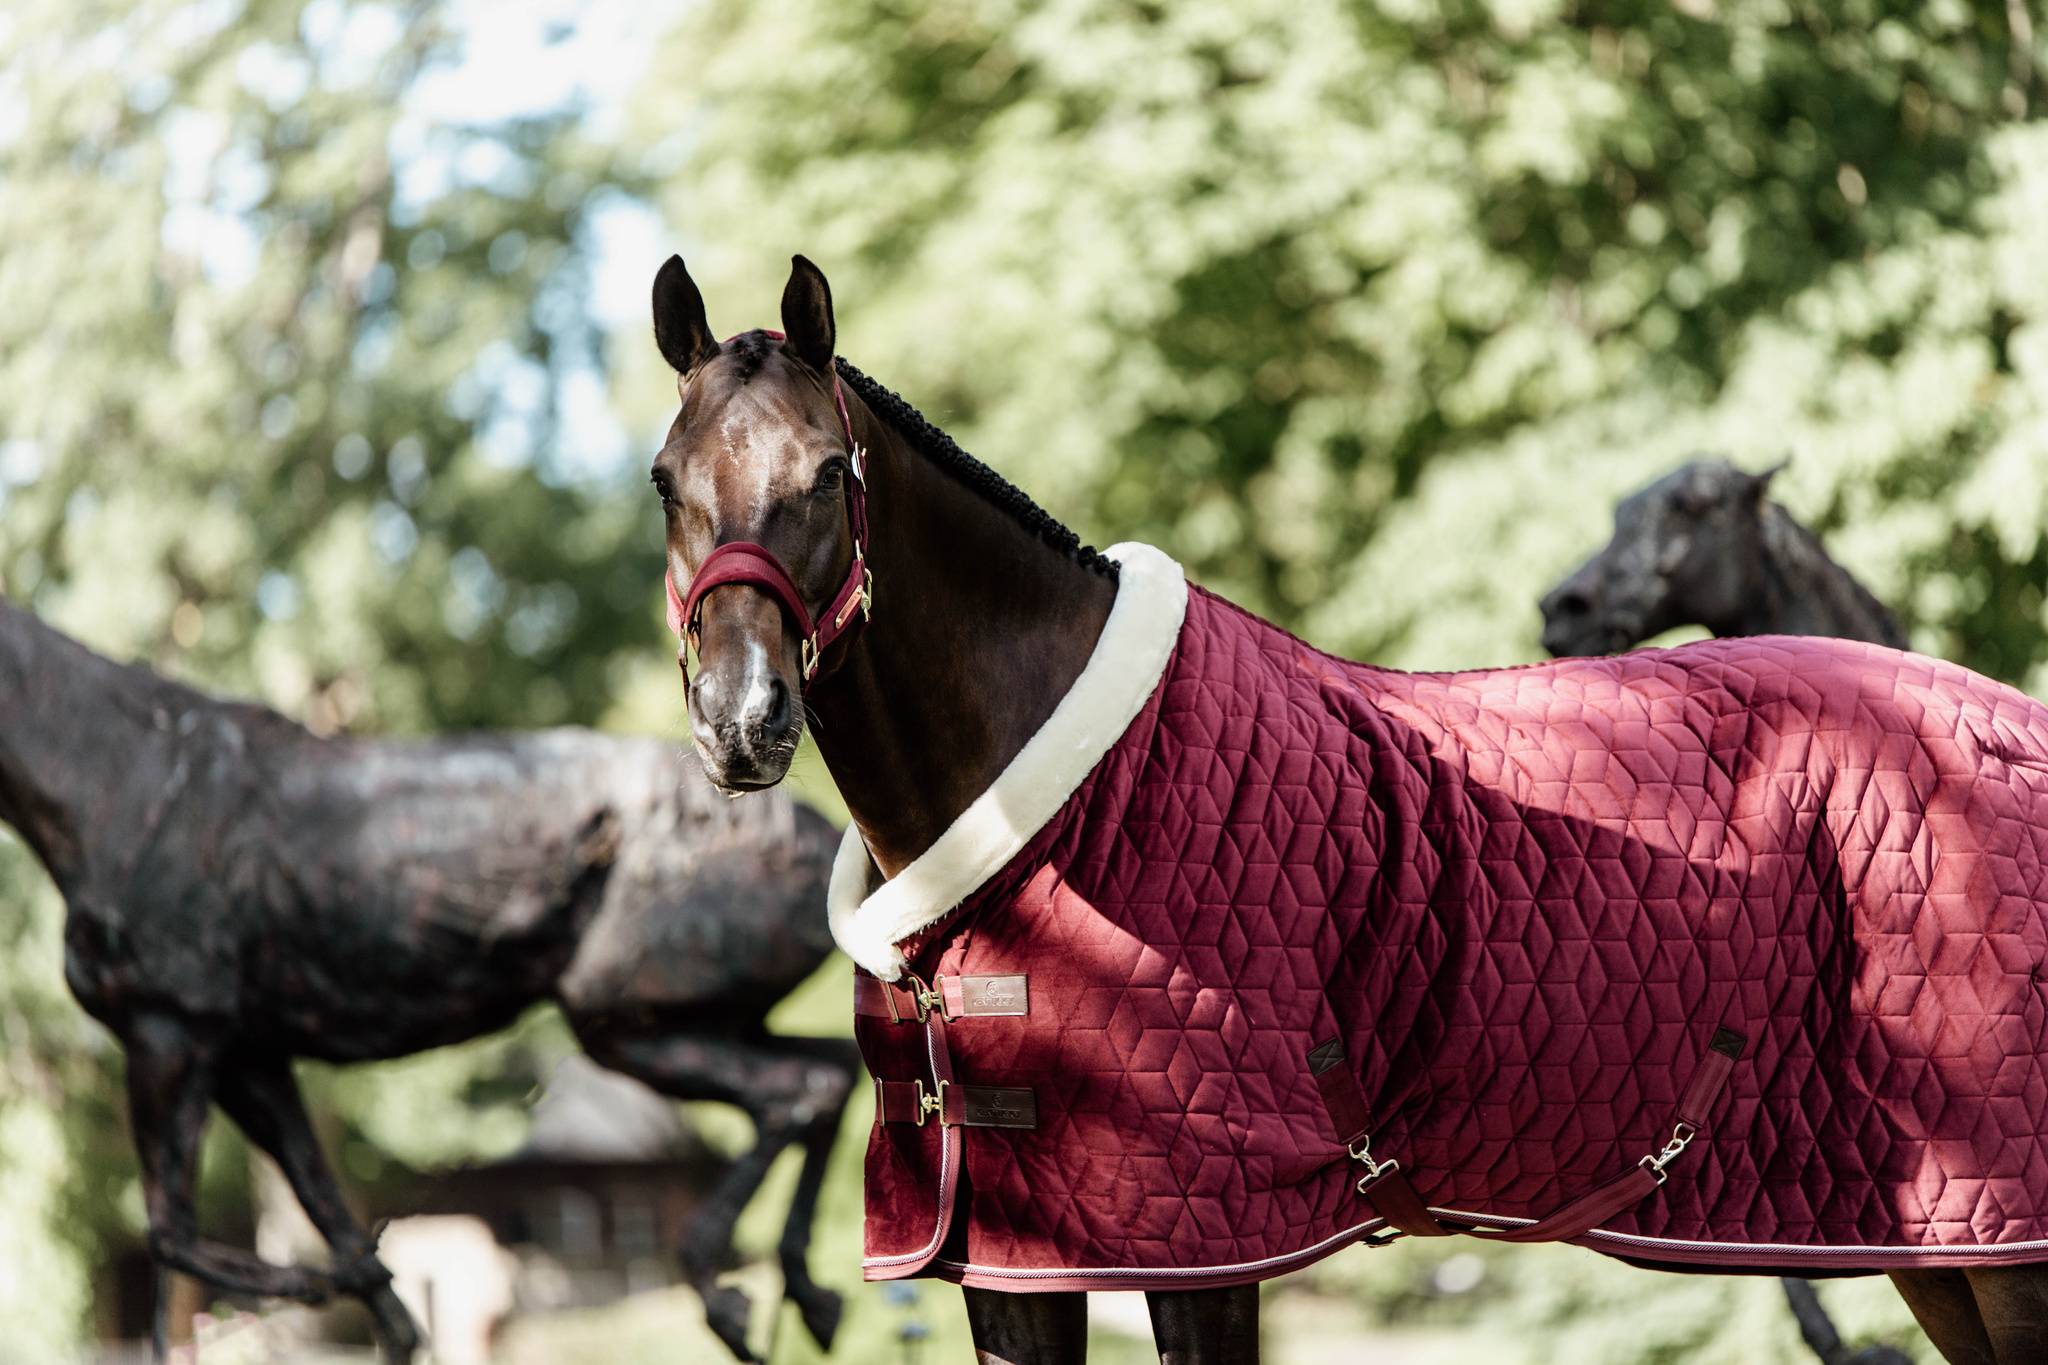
(830,475)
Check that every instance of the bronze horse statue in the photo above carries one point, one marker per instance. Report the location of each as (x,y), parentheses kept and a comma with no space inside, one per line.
(241,893)
(1705,545)
(980,614)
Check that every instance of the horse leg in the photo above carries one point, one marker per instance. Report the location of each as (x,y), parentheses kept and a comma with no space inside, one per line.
(818,1306)
(1946,1309)
(782,1090)
(1206,1326)
(1816,1329)
(260,1094)
(1027,1329)
(171,1073)
(2012,1308)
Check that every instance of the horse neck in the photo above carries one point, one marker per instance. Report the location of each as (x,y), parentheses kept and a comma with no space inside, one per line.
(1804,592)
(979,629)
(74,729)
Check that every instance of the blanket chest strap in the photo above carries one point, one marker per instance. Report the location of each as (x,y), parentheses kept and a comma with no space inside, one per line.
(955,997)
(956,1106)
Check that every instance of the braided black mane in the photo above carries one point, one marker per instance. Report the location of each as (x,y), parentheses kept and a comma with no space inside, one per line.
(938,447)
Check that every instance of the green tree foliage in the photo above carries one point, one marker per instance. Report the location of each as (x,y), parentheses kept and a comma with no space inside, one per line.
(1366,310)
(295,402)
(284,367)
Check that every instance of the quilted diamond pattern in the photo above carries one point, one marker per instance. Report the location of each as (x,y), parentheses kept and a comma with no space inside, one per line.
(1525,899)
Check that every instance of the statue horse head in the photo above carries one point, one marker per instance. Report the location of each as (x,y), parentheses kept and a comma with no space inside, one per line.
(1684,552)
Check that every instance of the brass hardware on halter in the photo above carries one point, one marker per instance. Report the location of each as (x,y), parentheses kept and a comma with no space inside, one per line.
(1361,1150)
(1681,1136)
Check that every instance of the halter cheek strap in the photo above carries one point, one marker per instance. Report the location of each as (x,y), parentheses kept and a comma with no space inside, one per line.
(742,561)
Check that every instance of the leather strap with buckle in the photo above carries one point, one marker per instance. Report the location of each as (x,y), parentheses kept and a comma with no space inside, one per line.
(1396,1201)
(953,997)
(955,1106)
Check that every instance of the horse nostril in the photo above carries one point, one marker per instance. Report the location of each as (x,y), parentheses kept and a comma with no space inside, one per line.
(777,718)
(1569,602)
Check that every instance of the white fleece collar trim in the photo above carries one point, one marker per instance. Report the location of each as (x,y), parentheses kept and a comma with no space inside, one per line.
(1129,659)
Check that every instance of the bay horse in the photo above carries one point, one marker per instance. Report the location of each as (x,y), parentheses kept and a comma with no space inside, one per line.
(1198,954)
(241,892)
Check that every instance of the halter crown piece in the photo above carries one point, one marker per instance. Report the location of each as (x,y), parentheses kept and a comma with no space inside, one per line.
(742,561)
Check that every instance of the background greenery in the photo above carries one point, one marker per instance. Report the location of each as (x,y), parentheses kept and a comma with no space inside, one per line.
(1366,311)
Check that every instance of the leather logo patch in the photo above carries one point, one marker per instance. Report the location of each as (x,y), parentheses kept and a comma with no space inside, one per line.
(988,1106)
(983,995)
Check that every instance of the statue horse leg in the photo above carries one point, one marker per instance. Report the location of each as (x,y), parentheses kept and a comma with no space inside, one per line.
(819,1306)
(1817,1330)
(261,1096)
(172,1070)
(793,1089)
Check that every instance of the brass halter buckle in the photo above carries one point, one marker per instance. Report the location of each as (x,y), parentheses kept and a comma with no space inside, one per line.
(1681,1136)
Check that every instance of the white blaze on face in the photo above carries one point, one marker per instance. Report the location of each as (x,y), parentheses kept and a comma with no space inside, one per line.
(757,683)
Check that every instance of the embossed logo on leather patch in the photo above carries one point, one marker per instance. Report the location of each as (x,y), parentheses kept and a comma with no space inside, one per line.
(994,995)
(988,1106)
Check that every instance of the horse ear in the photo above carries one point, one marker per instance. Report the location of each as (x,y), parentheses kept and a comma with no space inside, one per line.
(1760,482)
(680,331)
(807,315)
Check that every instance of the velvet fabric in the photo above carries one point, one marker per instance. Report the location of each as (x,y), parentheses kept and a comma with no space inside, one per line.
(1522,904)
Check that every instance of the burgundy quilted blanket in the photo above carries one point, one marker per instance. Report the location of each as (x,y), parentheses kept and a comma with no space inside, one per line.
(1243,908)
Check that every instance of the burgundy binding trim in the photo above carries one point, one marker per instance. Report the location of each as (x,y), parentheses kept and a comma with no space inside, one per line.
(742,561)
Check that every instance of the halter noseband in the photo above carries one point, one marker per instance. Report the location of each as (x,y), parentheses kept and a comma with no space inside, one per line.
(742,561)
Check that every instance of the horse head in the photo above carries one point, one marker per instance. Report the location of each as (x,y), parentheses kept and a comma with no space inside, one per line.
(1684,551)
(759,485)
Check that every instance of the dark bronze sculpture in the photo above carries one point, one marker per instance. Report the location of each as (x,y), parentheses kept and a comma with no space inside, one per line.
(1705,545)
(241,892)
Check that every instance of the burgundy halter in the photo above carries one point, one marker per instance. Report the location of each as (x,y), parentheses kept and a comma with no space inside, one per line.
(742,561)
